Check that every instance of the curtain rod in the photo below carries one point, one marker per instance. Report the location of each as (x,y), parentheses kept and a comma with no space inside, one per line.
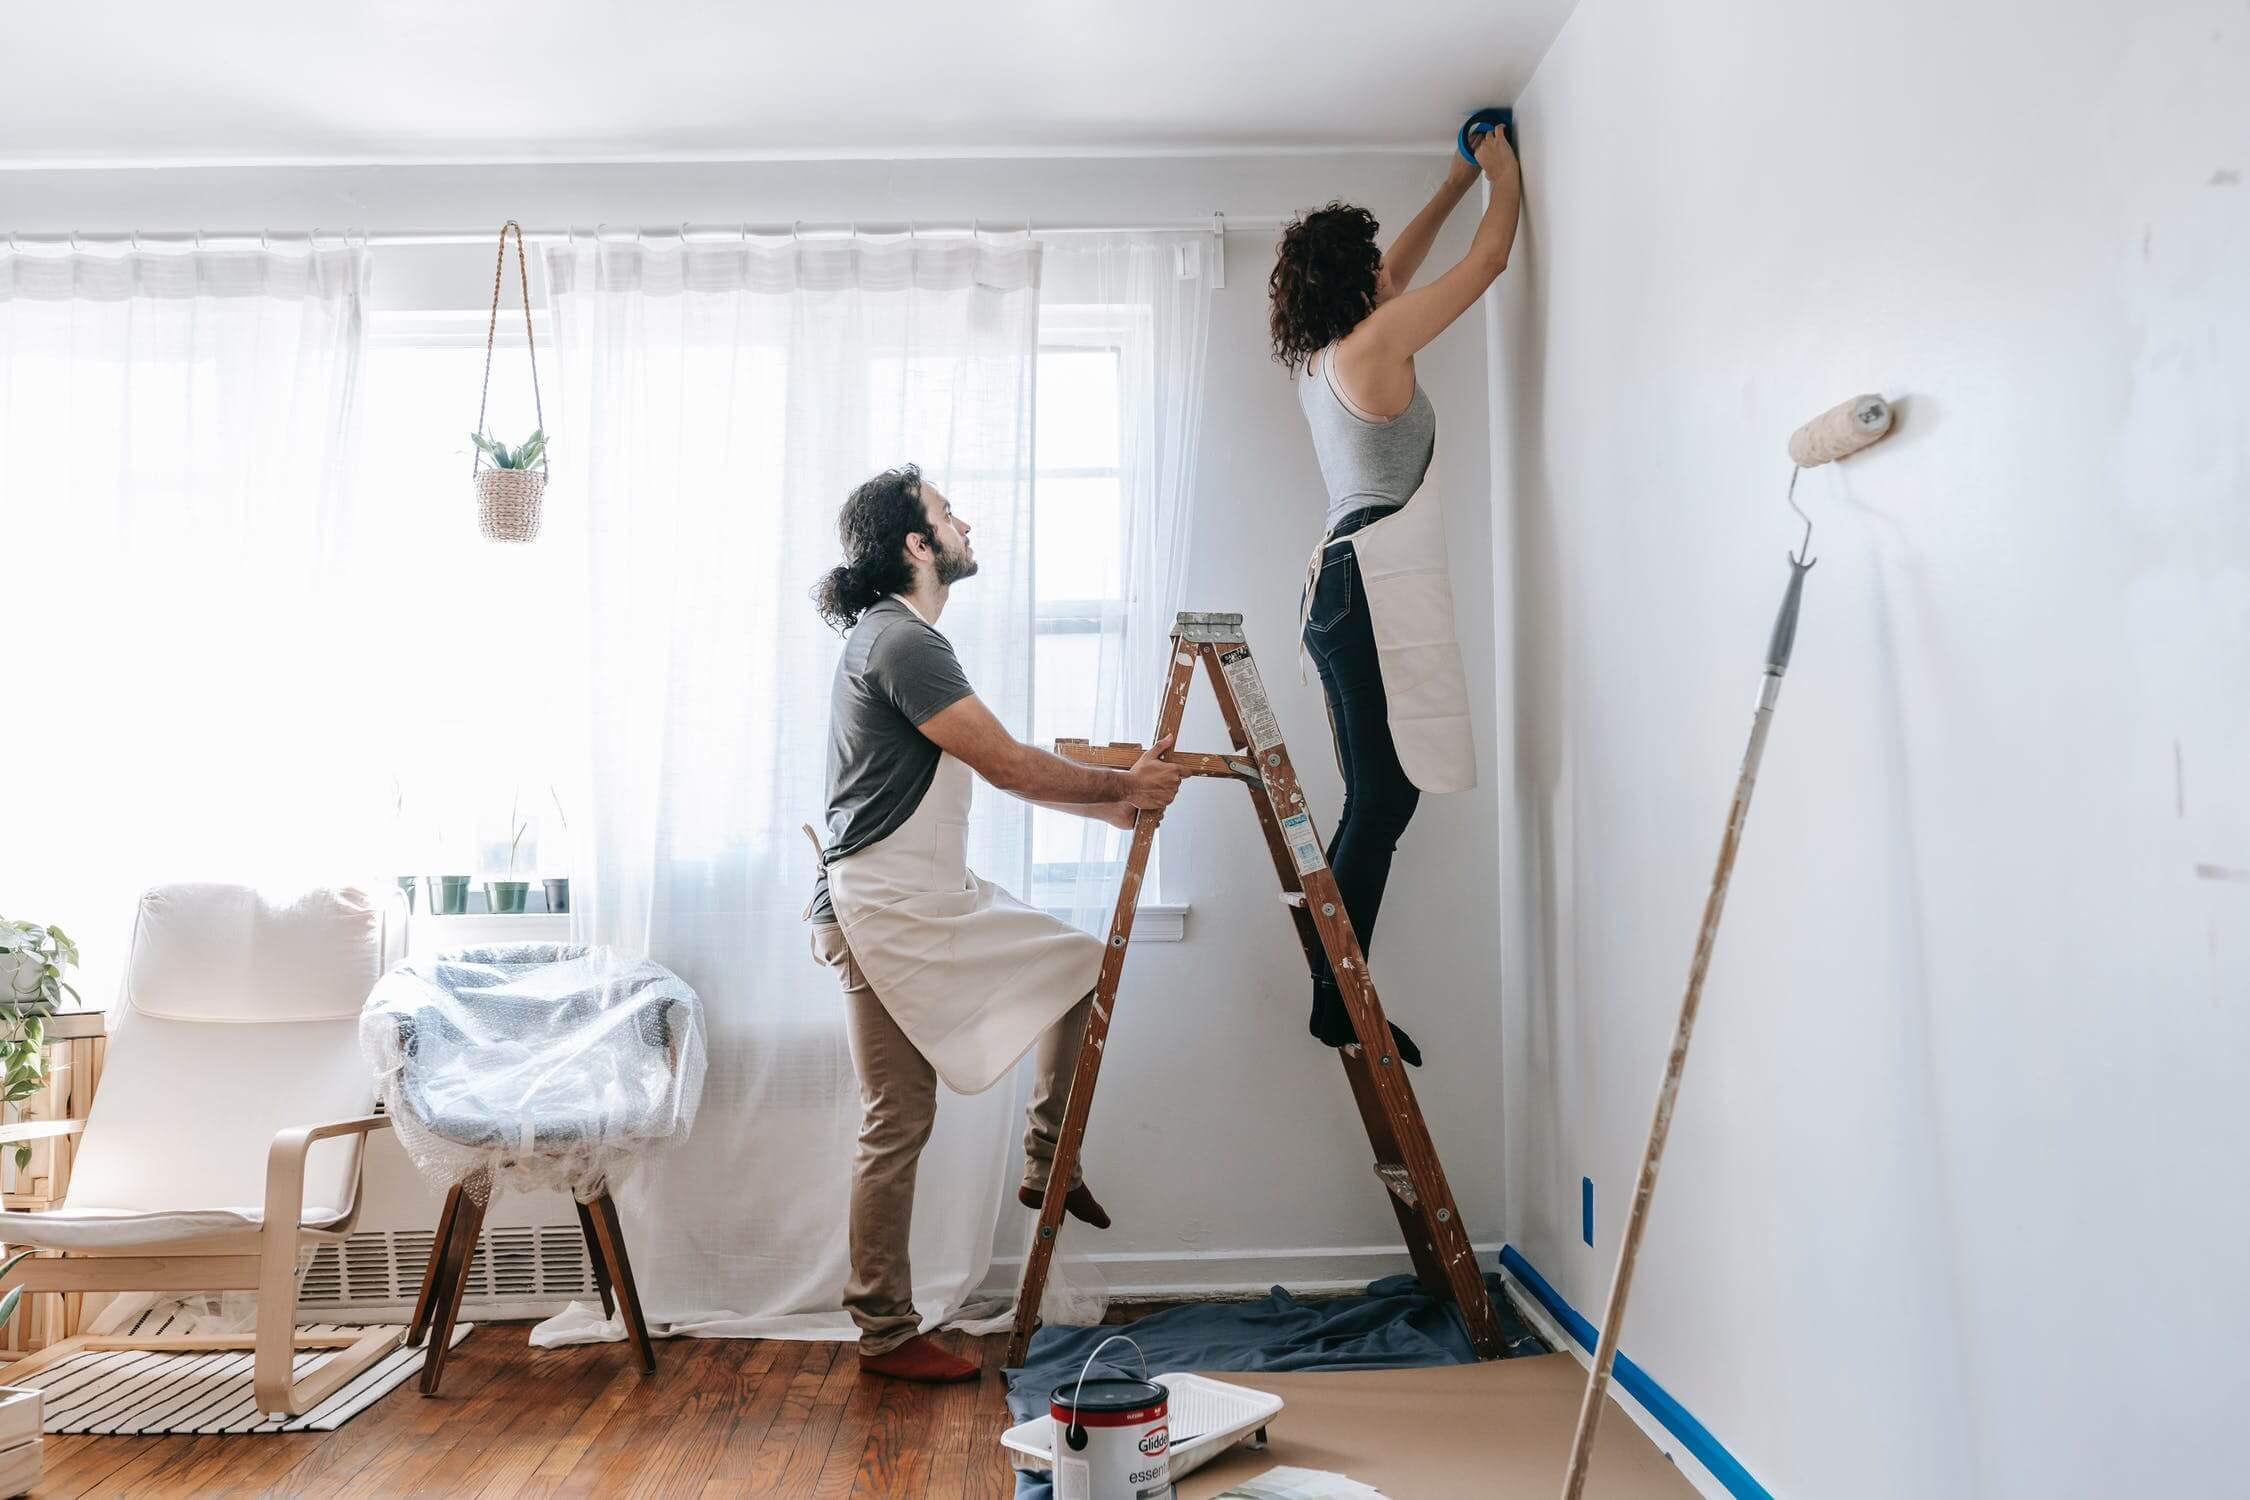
(1217,224)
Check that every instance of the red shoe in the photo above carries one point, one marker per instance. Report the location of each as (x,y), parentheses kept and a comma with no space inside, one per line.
(1078,1203)
(919,1358)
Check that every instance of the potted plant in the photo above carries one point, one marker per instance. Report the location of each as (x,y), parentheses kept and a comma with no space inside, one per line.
(406,883)
(558,887)
(449,894)
(509,492)
(510,894)
(32,961)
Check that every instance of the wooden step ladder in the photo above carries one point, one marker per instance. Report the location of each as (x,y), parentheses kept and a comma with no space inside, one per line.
(1406,1162)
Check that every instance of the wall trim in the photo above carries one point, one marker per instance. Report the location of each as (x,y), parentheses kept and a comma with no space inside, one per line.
(1194,1275)
(1659,1403)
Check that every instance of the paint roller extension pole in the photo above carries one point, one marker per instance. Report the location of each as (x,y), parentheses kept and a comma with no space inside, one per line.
(1613,1318)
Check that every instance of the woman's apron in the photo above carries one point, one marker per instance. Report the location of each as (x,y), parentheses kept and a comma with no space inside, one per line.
(1402,567)
(971,974)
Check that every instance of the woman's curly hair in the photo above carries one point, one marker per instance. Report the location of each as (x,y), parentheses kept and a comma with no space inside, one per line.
(1323,281)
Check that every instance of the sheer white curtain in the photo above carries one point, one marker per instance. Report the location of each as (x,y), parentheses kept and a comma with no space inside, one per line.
(189,663)
(1147,296)
(718,401)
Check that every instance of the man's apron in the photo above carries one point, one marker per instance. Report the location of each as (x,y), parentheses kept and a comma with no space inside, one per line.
(1402,566)
(971,974)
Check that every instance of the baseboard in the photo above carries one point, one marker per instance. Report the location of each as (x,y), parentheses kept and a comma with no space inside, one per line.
(1723,1467)
(1200,1275)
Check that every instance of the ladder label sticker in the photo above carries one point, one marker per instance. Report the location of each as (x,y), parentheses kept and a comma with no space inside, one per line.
(1304,844)
(1250,700)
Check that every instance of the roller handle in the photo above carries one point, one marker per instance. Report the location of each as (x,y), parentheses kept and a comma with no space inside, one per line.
(1784,638)
(1484,122)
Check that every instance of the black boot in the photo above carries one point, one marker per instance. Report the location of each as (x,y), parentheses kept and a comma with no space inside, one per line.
(1331,1023)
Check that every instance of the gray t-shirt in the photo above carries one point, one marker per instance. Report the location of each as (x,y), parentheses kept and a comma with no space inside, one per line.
(896,673)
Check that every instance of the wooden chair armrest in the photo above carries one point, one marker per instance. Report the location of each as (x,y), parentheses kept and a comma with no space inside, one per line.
(285,1168)
(297,1137)
(39,1130)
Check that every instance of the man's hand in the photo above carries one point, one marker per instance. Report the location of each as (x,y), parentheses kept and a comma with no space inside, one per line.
(1153,782)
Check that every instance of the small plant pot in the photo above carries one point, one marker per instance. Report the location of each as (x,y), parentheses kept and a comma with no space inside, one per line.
(506,895)
(508,502)
(558,895)
(406,886)
(449,894)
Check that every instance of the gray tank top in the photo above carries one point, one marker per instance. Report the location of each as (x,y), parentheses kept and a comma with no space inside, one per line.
(1365,460)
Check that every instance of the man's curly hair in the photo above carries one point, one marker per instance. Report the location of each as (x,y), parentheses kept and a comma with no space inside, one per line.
(1323,282)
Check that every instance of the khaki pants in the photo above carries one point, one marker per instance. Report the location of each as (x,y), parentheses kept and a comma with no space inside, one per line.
(898,1097)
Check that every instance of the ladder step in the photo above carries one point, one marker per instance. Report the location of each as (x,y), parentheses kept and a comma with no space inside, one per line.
(1399,1181)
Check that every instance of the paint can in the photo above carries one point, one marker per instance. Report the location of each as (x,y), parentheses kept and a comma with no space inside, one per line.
(1113,1438)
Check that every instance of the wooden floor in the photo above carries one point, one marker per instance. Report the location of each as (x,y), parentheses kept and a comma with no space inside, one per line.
(720,1418)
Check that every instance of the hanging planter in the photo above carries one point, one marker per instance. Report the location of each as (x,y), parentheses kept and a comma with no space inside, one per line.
(509,489)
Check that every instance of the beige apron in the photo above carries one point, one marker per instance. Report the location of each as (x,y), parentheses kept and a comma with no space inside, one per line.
(1402,566)
(971,974)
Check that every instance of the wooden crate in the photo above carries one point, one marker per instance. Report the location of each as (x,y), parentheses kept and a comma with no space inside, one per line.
(19,1440)
(75,1045)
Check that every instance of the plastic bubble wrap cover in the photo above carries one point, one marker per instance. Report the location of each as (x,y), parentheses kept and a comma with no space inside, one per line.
(535,1065)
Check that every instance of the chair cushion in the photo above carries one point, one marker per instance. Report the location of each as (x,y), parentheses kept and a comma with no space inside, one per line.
(112,1231)
(187,1111)
(229,953)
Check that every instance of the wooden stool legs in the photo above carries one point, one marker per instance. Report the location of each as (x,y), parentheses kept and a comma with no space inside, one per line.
(447,1278)
(611,1235)
(451,1254)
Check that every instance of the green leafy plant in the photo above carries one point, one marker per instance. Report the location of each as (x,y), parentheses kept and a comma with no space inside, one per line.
(32,960)
(518,826)
(504,457)
(14,1299)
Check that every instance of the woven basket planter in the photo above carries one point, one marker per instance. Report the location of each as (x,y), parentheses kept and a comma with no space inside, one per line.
(508,503)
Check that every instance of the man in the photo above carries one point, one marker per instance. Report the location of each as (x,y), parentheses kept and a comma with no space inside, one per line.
(944,974)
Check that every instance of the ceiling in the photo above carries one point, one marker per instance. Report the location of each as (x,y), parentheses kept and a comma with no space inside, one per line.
(133,82)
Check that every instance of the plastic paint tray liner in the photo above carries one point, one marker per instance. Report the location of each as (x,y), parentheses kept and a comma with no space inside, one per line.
(1214,1415)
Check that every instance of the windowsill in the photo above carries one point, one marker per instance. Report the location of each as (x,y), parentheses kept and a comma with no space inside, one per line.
(1153,921)
(426,932)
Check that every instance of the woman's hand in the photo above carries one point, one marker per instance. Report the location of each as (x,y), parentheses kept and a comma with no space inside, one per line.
(1494,157)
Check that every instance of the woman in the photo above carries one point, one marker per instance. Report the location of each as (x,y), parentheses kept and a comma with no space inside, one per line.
(1346,327)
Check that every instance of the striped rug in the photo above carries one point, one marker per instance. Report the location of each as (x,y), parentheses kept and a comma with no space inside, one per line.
(144,1391)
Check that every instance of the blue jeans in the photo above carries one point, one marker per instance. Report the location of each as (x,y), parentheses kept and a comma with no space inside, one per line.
(1379,800)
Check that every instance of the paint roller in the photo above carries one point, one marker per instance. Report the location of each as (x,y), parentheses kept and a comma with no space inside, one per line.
(1840,431)
(1835,434)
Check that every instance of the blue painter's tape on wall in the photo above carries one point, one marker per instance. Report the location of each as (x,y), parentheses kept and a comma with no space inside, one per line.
(1675,1418)
(1586,1209)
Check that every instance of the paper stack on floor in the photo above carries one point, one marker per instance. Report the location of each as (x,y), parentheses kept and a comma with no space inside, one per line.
(1301,1484)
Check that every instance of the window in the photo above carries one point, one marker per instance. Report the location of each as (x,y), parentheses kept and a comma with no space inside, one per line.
(480,723)
(1078,587)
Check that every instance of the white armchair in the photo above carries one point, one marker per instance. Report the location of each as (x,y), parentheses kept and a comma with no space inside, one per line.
(228,1129)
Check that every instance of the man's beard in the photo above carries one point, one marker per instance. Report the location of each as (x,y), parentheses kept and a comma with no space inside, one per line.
(952,567)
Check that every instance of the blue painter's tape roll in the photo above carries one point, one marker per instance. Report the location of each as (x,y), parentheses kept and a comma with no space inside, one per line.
(1484,122)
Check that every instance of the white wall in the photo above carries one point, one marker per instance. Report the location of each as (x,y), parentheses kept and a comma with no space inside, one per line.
(1223,1135)
(1955,1203)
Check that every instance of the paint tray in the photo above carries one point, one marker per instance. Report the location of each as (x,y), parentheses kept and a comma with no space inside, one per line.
(1212,1415)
